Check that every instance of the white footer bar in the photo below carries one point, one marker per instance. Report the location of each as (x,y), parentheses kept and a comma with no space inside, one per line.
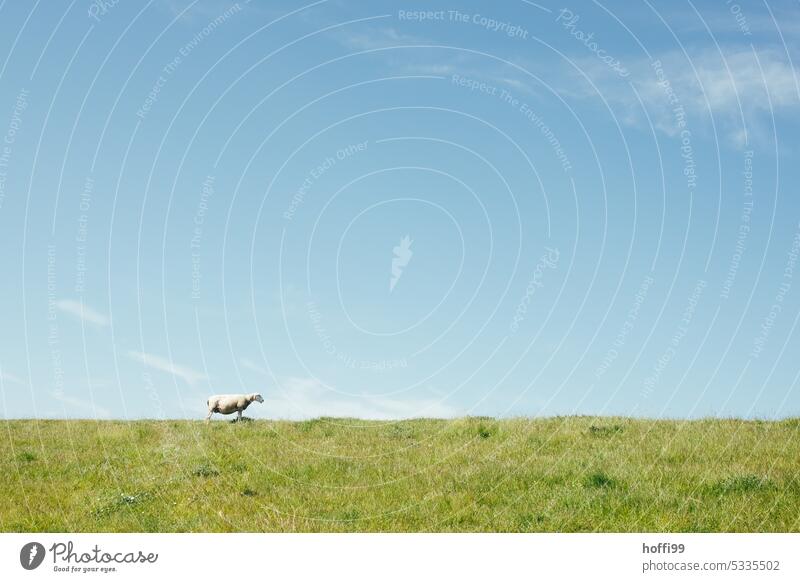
(389,557)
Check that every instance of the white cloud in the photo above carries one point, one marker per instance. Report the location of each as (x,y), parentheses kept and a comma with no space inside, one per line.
(305,398)
(189,375)
(82,311)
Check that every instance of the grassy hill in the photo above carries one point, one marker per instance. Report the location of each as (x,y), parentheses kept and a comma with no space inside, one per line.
(470,474)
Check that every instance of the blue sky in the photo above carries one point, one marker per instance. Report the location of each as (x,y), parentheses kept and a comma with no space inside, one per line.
(389,210)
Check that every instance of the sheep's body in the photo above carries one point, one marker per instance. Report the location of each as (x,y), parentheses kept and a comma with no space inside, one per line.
(230,403)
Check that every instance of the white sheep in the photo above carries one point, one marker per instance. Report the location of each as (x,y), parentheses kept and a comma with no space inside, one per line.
(229,403)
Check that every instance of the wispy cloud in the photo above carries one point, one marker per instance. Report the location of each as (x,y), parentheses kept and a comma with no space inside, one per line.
(428,61)
(251,365)
(192,13)
(304,398)
(742,77)
(495,74)
(82,311)
(373,38)
(722,21)
(442,69)
(10,378)
(185,373)
(81,405)
(741,88)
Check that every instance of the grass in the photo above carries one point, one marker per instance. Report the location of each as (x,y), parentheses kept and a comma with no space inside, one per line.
(470,474)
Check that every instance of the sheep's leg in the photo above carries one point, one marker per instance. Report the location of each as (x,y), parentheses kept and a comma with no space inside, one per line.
(238,416)
(208,416)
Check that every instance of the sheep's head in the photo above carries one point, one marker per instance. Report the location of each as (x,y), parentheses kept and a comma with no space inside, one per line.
(256,398)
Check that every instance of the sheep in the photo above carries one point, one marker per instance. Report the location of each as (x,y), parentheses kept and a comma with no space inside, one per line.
(229,403)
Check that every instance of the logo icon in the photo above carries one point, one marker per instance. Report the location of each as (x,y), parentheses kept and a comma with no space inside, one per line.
(31,555)
(402,256)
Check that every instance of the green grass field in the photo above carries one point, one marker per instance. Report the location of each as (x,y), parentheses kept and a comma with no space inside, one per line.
(471,474)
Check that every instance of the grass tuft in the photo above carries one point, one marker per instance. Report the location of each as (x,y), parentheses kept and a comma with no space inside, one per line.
(600,480)
(531,522)
(485,431)
(605,430)
(741,484)
(26,457)
(401,432)
(205,470)
(121,502)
